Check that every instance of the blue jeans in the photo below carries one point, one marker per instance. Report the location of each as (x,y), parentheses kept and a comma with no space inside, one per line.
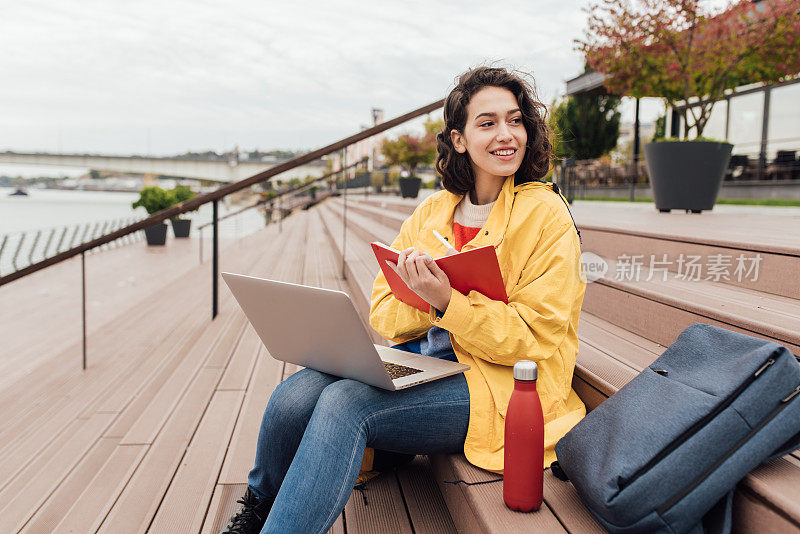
(315,429)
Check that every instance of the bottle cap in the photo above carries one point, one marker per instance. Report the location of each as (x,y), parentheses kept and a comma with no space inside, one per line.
(526,370)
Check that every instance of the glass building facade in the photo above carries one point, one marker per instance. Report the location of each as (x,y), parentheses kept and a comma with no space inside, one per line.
(758,120)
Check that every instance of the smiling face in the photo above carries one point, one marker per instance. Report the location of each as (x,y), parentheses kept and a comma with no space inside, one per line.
(494,135)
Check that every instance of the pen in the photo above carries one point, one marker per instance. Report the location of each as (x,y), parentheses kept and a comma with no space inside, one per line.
(443,240)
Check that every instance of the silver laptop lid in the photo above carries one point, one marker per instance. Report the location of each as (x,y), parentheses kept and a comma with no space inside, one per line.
(309,326)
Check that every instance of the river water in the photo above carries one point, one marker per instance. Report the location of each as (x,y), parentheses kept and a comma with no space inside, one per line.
(44,209)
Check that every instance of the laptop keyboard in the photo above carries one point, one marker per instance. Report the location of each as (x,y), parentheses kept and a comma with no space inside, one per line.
(399,371)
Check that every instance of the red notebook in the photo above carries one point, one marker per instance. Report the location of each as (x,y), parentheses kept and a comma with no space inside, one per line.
(476,269)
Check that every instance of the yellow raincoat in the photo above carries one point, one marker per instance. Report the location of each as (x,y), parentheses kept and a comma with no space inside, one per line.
(539,254)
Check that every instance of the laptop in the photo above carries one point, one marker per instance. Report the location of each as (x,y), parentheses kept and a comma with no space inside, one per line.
(320,328)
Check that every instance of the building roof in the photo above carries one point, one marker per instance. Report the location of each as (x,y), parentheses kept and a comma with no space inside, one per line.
(588,83)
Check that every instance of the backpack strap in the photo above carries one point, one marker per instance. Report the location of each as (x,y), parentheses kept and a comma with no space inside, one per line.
(719,520)
(557,191)
(558,472)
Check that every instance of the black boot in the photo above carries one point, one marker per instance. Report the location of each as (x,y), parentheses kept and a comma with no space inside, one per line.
(251,516)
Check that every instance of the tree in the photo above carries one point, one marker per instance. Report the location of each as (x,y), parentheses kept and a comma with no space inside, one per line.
(674,50)
(587,126)
(433,127)
(409,151)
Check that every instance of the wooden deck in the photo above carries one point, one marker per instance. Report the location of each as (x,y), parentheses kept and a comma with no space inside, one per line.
(158,434)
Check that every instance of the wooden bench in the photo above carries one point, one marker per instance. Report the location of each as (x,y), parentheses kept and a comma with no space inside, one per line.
(610,355)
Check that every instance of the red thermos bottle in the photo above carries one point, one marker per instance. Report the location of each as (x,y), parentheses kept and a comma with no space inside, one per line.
(523,468)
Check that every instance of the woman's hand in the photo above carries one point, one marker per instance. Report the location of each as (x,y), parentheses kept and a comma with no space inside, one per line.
(421,274)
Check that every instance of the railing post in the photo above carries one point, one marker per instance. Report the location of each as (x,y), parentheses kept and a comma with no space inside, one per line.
(344,213)
(83,304)
(33,247)
(567,166)
(103,232)
(215,260)
(61,239)
(201,245)
(47,245)
(74,235)
(2,248)
(762,152)
(19,246)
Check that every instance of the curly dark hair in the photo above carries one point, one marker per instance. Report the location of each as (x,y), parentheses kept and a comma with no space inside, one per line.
(456,168)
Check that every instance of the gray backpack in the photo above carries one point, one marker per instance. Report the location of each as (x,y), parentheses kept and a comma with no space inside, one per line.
(665,452)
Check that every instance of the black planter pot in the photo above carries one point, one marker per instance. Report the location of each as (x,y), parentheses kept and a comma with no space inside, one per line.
(156,234)
(409,187)
(686,175)
(181,227)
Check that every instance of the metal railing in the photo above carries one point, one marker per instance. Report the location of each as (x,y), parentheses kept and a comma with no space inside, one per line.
(283,208)
(213,198)
(743,165)
(21,249)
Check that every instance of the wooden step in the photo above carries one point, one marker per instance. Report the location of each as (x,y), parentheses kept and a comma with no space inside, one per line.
(390,218)
(51,299)
(366,227)
(761,228)
(761,268)
(610,355)
(142,499)
(660,309)
(396,502)
(357,268)
(29,410)
(232,481)
(38,464)
(26,399)
(667,303)
(120,462)
(772,261)
(466,522)
(413,482)
(396,204)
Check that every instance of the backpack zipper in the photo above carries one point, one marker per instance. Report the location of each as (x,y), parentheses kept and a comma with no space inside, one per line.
(697,481)
(691,431)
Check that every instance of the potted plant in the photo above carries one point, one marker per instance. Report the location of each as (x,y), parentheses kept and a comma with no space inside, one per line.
(154,199)
(673,50)
(266,199)
(181,227)
(377,181)
(409,151)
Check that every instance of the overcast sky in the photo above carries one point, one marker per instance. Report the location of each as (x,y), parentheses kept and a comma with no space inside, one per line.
(163,77)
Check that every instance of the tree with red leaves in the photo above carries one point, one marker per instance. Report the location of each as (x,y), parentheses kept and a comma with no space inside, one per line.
(674,50)
(410,151)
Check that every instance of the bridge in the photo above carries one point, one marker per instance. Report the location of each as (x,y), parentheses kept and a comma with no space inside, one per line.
(218,170)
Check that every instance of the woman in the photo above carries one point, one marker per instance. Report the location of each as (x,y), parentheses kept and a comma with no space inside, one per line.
(492,153)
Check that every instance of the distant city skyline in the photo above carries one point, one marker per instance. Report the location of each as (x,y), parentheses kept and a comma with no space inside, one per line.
(163,78)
